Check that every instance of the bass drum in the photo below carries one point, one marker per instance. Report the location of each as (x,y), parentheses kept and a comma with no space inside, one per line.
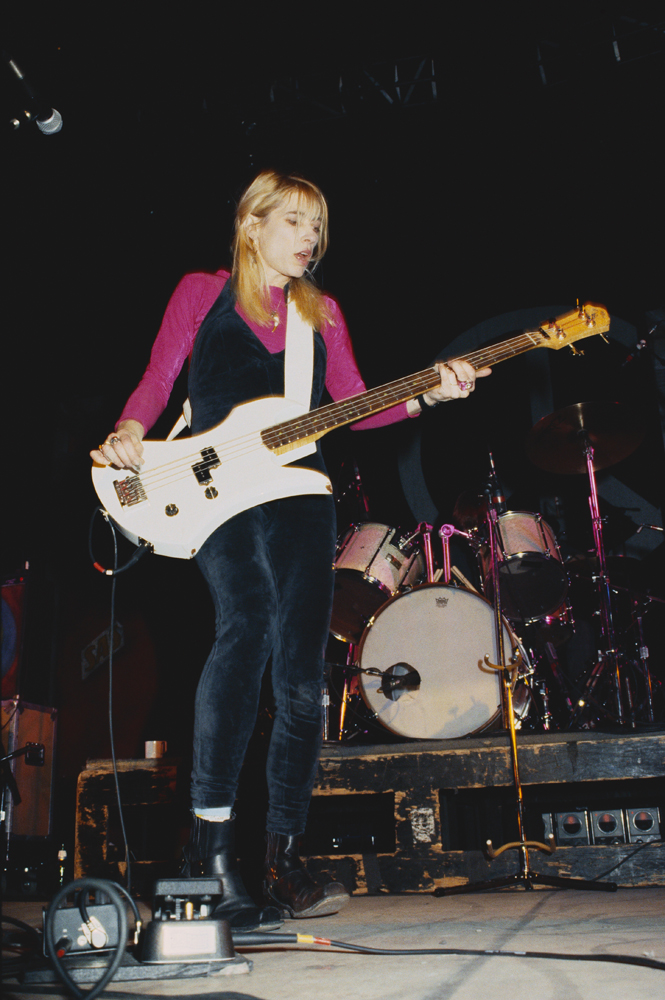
(443,633)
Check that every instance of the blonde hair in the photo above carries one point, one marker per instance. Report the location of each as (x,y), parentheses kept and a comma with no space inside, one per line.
(266,193)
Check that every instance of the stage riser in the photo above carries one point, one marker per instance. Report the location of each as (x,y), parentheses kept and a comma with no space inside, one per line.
(375,874)
(558,772)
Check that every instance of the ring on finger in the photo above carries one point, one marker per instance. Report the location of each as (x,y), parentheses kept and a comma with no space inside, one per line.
(465,386)
(114,440)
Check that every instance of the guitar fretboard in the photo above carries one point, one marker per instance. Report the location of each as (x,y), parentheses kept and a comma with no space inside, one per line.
(315,424)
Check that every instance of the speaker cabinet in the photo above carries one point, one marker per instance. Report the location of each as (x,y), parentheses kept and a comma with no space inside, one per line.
(23,723)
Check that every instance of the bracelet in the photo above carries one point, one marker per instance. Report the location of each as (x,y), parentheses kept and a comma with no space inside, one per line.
(423,405)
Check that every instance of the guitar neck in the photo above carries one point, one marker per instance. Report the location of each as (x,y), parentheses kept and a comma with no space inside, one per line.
(315,424)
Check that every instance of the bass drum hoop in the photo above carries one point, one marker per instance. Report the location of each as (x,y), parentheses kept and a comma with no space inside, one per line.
(458,694)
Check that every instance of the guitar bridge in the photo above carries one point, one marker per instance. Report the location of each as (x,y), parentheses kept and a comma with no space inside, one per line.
(202,469)
(129,491)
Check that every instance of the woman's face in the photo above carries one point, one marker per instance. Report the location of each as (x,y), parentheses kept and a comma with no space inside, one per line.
(285,240)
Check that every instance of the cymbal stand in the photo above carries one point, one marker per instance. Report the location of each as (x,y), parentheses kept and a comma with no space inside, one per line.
(643,653)
(525,876)
(609,657)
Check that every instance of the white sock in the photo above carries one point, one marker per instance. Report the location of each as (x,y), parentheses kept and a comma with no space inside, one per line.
(217,814)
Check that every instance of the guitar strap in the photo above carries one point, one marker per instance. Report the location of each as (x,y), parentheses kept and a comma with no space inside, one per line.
(298,368)
(298,358)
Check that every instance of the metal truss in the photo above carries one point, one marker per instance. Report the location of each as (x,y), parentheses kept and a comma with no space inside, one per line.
(600,44)
(404,83)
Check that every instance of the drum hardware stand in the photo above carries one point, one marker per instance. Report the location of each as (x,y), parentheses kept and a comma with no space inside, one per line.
(426,535)
(354,488)
(346,691)
(609,657)
(525,876)
(554,665)
(586,437)
(546,716)
(643,651)
(446,532)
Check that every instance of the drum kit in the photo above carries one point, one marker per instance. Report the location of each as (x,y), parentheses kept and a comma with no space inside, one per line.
(418,638)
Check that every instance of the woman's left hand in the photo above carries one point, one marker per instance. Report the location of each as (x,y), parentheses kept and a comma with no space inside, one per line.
(458,380)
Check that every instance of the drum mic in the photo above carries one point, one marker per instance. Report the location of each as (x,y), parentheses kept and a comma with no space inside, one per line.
(399,678)
(496,494)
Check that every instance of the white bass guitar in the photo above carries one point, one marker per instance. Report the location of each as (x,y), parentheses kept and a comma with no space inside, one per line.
(187,487)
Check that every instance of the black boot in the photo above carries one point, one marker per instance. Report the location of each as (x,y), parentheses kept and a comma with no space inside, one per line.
(211,853)
(292,888)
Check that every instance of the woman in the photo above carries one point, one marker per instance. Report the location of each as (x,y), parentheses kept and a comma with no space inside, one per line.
(269,569)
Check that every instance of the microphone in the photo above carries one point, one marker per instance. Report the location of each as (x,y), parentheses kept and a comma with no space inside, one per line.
(497,497)
(48,120)
(635,353)
(400,677)
(359,488)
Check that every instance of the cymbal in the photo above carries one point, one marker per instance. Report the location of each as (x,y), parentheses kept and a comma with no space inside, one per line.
(556,443)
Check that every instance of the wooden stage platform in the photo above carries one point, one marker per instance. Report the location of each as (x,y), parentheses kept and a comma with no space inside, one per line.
(449,796)
(410,817)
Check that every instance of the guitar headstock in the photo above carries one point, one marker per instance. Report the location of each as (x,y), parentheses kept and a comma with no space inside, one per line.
(584,321)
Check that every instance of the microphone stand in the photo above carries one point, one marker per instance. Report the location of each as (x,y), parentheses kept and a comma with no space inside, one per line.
(525,876)
(609,657)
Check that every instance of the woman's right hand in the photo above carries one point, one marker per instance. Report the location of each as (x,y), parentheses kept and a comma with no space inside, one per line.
(122,448)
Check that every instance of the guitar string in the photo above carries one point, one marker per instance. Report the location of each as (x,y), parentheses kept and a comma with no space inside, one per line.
(350,410)
(311,422)
(341,411)
(392,393)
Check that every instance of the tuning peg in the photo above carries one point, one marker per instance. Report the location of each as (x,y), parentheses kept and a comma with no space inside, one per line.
(575,350)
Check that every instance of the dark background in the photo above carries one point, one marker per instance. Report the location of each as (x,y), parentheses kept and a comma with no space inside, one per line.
(523,169)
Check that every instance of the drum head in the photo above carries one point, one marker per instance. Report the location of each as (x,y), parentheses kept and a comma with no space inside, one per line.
(444,634)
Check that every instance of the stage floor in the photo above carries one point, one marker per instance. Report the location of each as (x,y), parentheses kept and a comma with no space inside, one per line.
(630,922)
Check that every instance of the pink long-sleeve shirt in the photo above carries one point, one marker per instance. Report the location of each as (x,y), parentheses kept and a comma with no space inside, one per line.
(188,307)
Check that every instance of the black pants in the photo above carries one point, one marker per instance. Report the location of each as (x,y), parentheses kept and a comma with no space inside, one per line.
(270,573)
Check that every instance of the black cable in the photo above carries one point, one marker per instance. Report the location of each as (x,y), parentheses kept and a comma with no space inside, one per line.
(12,967)
(24,927)
(128,868)
(86,885)
(141,549)
(632,854)
(113,574)
(255,938)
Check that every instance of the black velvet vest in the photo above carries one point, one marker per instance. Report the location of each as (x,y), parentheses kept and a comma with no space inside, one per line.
(230,365)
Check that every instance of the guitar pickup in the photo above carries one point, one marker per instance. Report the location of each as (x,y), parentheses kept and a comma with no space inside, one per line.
(202,469)
(129,491)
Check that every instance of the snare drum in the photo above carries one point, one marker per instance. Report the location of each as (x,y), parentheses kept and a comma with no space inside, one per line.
(373,563)
(533,580)
(443,633)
